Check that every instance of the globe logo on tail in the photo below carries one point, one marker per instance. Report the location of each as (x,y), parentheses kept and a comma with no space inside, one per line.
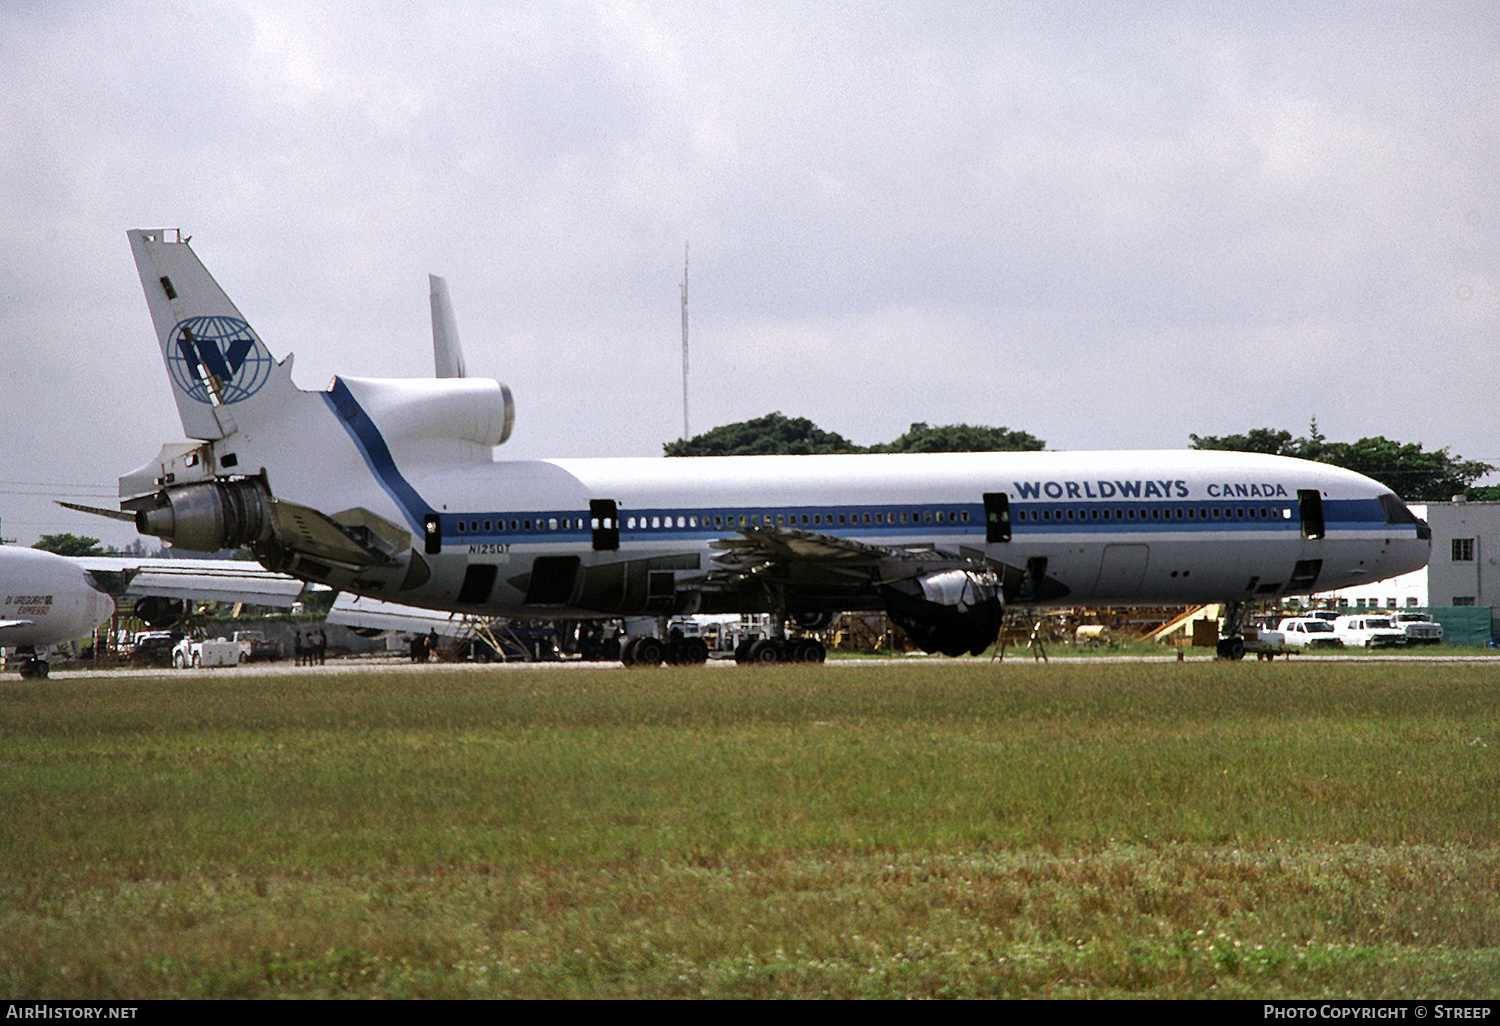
(217,360)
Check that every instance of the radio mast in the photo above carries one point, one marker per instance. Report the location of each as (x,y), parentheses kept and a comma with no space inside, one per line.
(685,433)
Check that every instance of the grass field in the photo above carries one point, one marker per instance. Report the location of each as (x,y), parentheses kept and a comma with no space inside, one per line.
(953,829)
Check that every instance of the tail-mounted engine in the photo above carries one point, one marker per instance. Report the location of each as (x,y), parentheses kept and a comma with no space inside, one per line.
(952,611)
(211,515)
(351,549)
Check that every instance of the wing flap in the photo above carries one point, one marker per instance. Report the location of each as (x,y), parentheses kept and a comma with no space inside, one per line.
(374,614)
(825,564)
(758,545)
(196,580)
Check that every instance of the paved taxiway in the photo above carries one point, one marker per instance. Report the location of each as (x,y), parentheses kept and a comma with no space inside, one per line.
(337,667)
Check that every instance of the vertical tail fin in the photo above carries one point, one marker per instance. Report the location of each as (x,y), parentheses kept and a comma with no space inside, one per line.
(447,353)
(220,370)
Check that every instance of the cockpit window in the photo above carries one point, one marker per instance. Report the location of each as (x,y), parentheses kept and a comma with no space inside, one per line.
(1397,513)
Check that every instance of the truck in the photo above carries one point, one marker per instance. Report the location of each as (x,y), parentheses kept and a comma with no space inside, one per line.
(1420,628)
(1266,643)
(256,647)
(1369,630)
(153,648)
(196,652)
(1309,632)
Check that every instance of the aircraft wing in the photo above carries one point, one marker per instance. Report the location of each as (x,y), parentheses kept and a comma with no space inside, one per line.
(13,632)
(758,547)
(812,564)
(195,580)
(782,551)
(376,615)
(948,601)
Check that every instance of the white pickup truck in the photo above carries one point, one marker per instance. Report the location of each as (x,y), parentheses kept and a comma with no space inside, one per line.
(1369,630)
(1309,632)
(1266,643)
(197,652)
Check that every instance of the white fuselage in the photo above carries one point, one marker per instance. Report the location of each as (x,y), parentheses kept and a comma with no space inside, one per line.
(388,488)
(48,599)
(1112,527)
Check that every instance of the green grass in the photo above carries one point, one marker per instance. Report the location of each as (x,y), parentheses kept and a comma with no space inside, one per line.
(957,829)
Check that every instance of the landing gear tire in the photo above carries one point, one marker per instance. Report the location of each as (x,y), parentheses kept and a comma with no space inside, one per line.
(688,652)
(645,651)
(809,650)
(1232,648)
(763,652)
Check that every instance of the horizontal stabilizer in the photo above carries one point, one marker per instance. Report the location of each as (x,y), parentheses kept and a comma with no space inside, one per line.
(112,514)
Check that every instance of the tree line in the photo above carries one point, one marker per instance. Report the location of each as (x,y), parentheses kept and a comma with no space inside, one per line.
(777,434)
(1413,473)
(1406,468)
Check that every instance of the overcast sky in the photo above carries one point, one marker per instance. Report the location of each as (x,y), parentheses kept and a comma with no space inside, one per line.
(1108,225)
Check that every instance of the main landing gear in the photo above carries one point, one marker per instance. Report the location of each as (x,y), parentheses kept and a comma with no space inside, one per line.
(765,651)
(1232,644)
(677,650)
(33,666)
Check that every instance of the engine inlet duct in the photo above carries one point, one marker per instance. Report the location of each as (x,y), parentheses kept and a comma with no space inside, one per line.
(952,612)
(210,516)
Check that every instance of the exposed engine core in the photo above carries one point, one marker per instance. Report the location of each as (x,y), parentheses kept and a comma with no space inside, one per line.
(158,613)
(951,612)
(210,516)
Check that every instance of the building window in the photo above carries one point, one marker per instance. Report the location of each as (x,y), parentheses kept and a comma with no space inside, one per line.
(1463,600)
(1463,550)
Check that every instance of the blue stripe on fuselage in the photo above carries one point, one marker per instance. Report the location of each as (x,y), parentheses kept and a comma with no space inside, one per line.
(960,520)
(882,521)
(367,438)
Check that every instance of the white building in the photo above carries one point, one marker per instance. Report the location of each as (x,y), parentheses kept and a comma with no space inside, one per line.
(1464,569)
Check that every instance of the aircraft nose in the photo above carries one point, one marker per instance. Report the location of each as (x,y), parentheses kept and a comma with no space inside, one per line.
(104,608)
(1413,555)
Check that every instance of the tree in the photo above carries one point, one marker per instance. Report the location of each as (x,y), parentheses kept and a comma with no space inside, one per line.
(961,438)
(1263,440)
(773,433)
(69,545)
(1404,467)
(1311,446)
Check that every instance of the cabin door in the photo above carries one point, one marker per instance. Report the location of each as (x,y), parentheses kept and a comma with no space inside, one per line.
(1122,570)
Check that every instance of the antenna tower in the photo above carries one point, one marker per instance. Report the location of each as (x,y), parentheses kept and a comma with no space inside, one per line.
(685,433)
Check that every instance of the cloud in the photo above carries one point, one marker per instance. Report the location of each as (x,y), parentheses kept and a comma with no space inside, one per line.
(1105,227)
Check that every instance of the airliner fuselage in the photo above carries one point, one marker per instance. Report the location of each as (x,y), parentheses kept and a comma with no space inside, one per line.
(390,489)
(1103,528)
